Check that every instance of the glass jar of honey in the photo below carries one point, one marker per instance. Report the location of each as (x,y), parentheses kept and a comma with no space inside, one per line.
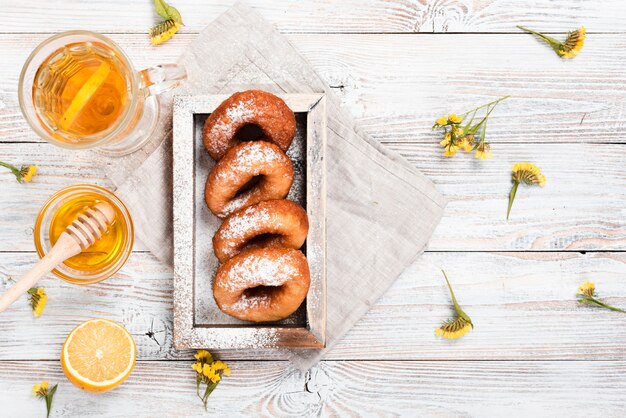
(107,255)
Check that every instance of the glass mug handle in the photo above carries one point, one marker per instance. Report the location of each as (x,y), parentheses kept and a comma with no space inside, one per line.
(162,78)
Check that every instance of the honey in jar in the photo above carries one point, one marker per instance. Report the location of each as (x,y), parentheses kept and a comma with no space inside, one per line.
(103,258)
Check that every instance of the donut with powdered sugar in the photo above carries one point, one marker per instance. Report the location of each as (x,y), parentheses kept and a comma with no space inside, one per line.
(272,223)
(263,284)
(252,107)
(260,161)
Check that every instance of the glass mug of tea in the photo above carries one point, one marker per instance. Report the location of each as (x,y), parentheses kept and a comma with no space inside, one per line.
(79,90)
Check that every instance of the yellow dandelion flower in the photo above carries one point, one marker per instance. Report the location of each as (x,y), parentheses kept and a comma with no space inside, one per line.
(203,356)
(483,152)
(40,389)
(23,174)
(42,392)
(38,299)
(572,45)
(27,172)
(163,31)
(526,173)
(587,296)
(454,118)
(454,329)
(460,325)
(442,121)
(587,289)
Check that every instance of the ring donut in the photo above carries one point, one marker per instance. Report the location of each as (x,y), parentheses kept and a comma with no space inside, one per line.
(263,284)
(252,107)
(273,223)
(239,166)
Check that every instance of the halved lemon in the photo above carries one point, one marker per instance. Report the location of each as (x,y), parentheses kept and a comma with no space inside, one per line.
(98,355)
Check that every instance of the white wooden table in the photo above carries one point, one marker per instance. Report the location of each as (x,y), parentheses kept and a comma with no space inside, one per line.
(397,65)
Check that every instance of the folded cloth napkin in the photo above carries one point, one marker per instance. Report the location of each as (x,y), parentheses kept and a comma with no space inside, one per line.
(381,210)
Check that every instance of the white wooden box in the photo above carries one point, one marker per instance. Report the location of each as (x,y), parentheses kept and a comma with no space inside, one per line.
(198,322)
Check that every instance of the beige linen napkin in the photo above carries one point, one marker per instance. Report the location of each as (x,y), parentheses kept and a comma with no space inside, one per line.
(381,210)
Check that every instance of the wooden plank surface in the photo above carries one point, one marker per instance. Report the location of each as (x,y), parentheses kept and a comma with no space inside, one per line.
(535,351)
(581,208)
(399,16)
(377,388)
(396,85)
(523,305)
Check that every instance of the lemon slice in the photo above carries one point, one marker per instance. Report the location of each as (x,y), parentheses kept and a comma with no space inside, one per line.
(98,355)
(84,94)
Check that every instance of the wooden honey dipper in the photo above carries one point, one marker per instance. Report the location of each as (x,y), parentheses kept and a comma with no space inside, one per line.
(77,237)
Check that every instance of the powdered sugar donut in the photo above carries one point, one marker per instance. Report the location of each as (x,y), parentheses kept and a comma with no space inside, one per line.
(239,166)
(264,284)
(251,107)
(273,223)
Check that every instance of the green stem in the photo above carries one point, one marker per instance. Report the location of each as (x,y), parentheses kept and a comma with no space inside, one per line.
(14,170)
(601,304)
(555,43)
(485,105)
(457,307)
(210,387)
(512,198)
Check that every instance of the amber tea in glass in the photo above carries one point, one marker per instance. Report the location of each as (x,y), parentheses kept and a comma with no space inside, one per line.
(79,90)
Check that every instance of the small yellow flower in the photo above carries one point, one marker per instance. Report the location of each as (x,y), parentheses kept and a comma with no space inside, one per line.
(587,296)
(197,367)
(219,365)
(163,31)
(23,174)
(454,118)
(210,372)
(38,299)
(40,389)
(528,174)
(460,325)
(483,152)
(446,139)
(28,172)
(42,392)
(442,121)
(454,329)
(203,356)
(587,289)
(450,150)
(572,45)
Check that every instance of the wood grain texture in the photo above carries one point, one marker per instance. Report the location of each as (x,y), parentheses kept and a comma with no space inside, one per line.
(581,208)
(343,389)
(400,16)
(396,86)
(523,306)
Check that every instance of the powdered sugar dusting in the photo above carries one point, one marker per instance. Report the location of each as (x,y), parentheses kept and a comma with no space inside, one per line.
(235,116)
(239,226)
(250,158)
(246,303)
(259,270)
